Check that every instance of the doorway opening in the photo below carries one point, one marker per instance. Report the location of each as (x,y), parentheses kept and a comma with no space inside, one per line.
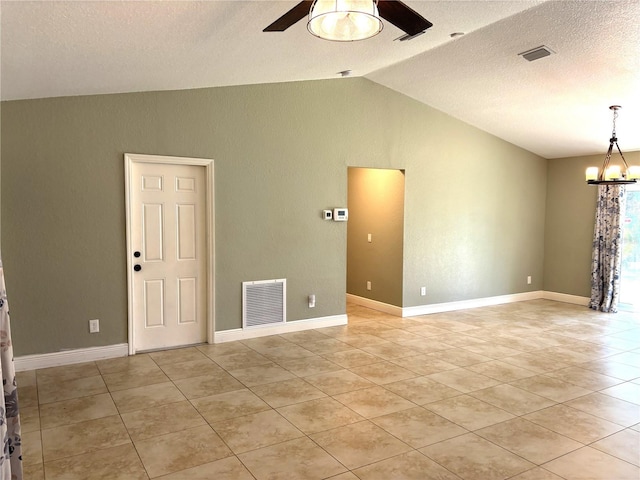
(375,238)
(630,268)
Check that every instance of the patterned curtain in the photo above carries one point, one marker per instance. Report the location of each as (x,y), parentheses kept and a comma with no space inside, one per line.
(607,248)
(11,459)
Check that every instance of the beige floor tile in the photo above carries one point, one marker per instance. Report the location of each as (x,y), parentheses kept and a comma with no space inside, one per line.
(359,340)
(218,349)
(192,368)
(303,367)
(585,378)
(424,364)
(407,466)
(613,369)
(250,432)
(460,357)
(261,344)
(551,388)
(288,352)
(29,419)
(340,381)
(151,422)
(421,390)
(383,372)
(146,397)
(235,361)
(68,372)
(528,440)
(229,468)
(205,385)
(344,476)
(33,472)
(77,410)
(591,464)
(28,396)
(330,345)
(32,448)
(319,415)
(536,363)
(261,375)
(624,445)
(474,458)
(181,450)
(537,473)
(52,390)
(418,427)
(280,394)
(135,378)
(304,337)
(83,437)
(140,361)
(26,378)
(573,423)
(629,392)
(300,459)
(373,402)
(463,380)
(177,356)
(228,405)
(610,408)
(501,371)
(116,463)
(360,444)
(492,350)
(351,358)
(390,350)
(468,412)
(512,399)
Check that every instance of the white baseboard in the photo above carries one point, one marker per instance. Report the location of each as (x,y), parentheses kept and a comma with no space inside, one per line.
(287,327)
(68,357)
(375,305)
(566,298)
(473,303)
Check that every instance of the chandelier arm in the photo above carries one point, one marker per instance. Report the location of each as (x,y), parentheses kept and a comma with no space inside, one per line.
(626,166)
(607,158)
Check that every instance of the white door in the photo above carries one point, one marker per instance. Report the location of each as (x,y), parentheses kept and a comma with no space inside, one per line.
(167,245)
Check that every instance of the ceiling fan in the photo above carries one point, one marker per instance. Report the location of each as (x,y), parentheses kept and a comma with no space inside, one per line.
(394,11)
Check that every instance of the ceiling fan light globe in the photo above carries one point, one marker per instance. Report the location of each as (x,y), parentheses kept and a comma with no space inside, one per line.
(344,21)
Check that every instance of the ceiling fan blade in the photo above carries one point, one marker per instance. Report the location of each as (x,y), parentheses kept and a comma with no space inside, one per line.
(403,17)
(294,15)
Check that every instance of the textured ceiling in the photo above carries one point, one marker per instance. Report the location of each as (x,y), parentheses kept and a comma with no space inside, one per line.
(555,107)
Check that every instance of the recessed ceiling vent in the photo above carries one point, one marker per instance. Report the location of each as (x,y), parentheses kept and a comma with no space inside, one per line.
(536,53)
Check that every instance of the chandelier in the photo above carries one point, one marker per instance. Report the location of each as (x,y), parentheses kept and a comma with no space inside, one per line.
(612,174)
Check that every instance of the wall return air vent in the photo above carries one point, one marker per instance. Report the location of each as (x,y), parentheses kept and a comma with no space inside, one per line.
(264,302)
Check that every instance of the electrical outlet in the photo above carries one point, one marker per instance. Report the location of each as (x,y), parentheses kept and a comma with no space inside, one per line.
(423,291)
(529,280)
(368,285)
(94,326)
(312,301)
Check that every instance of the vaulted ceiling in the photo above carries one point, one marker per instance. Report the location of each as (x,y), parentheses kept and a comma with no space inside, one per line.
(556,106)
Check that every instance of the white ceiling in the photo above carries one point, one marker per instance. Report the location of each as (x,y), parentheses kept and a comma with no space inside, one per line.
(555,106)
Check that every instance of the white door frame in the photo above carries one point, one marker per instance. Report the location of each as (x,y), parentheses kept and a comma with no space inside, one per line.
(129,160)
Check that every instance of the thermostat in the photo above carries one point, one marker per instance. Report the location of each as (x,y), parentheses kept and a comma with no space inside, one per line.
(340,214)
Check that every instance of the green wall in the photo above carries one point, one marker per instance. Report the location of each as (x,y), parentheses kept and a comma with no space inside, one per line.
(474,205)
(376,207)
(569,225)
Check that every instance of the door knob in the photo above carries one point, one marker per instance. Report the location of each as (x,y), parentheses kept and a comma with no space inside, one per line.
(137,267)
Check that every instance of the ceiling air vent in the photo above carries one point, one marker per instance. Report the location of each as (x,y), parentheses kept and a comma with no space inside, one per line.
(536,53)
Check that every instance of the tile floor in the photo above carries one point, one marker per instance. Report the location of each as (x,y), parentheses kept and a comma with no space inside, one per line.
(534,390)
